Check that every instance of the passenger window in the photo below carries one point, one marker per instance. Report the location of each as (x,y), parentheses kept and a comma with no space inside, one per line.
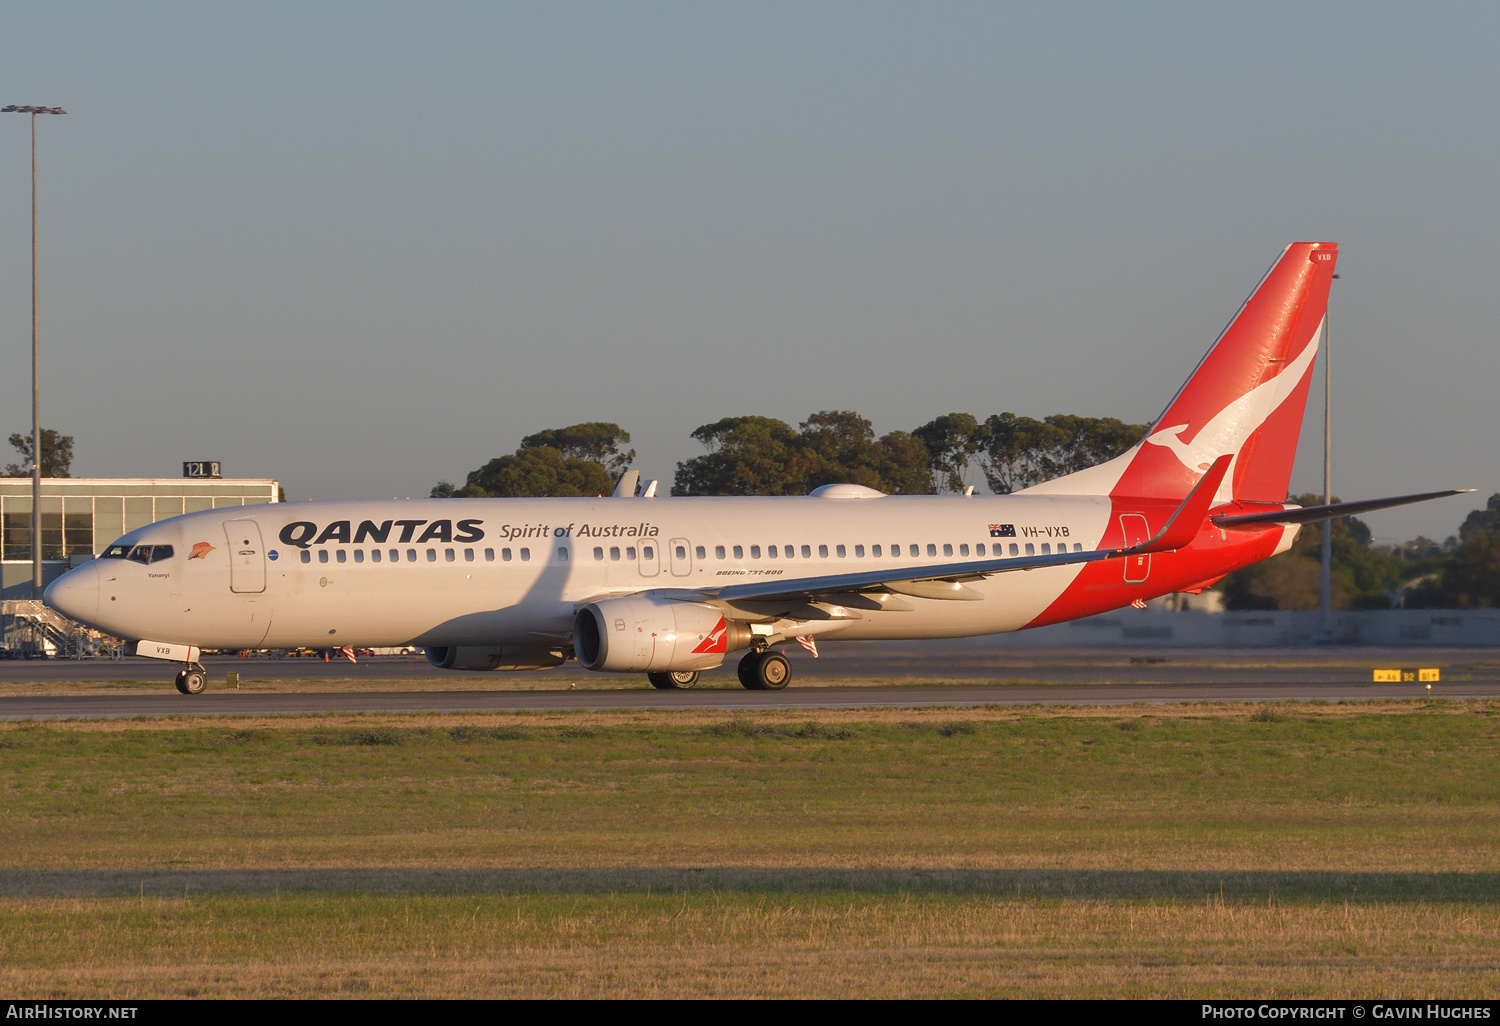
(807,551)
(448,555)
(771,551)
(874,551)
(718,552)
(979,549)
(1013,549)
(840,550)
(1077,546)
(648,552)
(599,554)
(931,549)
(374,555)
(525,555)
(916,550)
(754,551)
(342,556)
(395,555)
(411,555)
(947,550)
(859,551)
(306,556)
(630,553)
(489,555)
(681,551)
(359,555)
(322,554)
(614,552)
(963,550)
(700,552)
(505,555)
(739,552)
(468,555)
(1046,549)
(562,555)
(1030,549)
(432,555)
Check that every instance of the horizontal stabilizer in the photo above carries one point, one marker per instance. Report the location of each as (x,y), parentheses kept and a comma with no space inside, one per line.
(1317,514)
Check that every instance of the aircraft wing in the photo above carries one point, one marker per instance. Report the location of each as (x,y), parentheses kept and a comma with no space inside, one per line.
(945,580)
(1316,514)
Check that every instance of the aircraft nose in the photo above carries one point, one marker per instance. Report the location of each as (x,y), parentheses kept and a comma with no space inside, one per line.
(75,594)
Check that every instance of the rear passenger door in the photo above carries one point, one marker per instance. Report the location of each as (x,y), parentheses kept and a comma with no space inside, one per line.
(1137,532)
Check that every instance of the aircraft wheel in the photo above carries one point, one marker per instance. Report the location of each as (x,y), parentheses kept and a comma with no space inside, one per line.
(748,672)
(192,682)
(765,671)
(673,680)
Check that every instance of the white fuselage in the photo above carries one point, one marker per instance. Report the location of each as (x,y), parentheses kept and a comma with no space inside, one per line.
(513,571)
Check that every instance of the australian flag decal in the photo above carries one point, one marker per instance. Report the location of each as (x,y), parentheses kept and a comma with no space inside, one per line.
(1002,530)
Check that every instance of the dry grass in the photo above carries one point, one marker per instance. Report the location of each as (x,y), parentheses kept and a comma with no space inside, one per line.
(736,945)
(1325,850)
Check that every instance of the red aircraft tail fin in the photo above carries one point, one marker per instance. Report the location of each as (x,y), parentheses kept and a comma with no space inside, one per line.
(1245,399)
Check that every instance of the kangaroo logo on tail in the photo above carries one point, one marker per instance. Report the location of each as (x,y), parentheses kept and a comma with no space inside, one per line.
(1229,429)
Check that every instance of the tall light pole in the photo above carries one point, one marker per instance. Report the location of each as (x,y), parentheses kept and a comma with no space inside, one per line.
(1325,577)
(36,373)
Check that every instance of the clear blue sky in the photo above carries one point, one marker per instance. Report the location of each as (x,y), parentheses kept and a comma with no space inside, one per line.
(363,247)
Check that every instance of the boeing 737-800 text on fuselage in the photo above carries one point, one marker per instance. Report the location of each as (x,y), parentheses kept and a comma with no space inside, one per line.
(671,586)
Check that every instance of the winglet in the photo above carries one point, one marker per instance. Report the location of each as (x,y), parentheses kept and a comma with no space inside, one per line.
(1188,520)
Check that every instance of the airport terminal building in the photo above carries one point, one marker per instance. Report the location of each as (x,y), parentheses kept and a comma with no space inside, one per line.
(82,515)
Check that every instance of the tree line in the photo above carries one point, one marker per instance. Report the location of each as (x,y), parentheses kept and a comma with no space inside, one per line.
(765,456)
(1462,572)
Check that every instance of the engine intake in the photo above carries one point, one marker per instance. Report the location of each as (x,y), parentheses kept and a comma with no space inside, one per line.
(494,657)
(640,632)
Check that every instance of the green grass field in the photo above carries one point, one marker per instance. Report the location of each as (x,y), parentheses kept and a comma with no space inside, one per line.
(1184,850)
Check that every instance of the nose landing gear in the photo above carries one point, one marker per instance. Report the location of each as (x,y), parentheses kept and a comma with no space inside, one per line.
(765,670)
(193,680)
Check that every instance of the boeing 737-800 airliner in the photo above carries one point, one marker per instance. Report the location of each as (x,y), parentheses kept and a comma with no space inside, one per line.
(671,586)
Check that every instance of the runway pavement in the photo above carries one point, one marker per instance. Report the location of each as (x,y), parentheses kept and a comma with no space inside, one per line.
(885,674)
(228,703)
(895,662)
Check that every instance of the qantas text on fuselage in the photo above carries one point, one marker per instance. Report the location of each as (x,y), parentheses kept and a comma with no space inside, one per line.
(671,586)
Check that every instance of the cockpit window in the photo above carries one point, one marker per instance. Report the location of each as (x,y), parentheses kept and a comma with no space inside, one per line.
(147,553)
(116,551)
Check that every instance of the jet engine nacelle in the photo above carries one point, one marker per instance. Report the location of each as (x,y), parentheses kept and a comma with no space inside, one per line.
(642,632)
(493,657)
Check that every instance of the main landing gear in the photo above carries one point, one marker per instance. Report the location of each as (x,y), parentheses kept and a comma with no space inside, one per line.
(765,670)
(193,680)
(673,680)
